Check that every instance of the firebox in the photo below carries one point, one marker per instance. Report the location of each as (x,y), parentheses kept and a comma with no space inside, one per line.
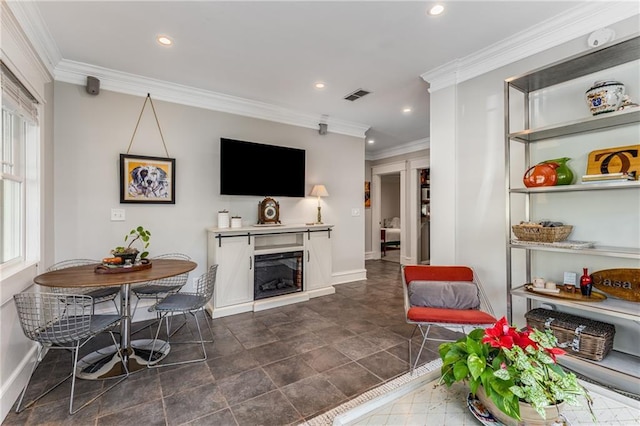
(277,274)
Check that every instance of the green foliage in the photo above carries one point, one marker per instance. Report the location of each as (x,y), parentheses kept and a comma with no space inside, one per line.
(511,366)
(139,233)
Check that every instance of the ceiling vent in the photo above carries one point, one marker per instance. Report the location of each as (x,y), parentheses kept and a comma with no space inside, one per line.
(356,95)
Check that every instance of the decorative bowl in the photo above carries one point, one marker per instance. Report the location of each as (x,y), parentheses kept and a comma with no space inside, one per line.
(605,96)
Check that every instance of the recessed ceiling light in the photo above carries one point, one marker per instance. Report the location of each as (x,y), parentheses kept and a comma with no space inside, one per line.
(319,85)
(406,110)
(370,141)
(436,10)
(164,40)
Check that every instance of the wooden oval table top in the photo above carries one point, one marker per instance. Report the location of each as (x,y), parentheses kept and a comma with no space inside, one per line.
(85,276)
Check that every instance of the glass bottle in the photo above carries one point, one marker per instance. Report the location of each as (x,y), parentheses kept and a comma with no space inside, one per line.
(585,283)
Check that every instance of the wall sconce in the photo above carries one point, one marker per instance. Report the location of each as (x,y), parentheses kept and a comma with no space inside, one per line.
(319,191)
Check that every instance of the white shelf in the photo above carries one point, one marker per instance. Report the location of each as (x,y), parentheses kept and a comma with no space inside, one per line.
(597,250)
(277,248)
(613,307)
(600,186)
(598,122)
(615,361)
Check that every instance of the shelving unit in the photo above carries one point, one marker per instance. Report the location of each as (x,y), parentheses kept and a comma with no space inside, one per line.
(533,144)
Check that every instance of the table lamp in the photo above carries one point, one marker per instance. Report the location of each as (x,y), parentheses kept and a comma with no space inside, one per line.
(319,191)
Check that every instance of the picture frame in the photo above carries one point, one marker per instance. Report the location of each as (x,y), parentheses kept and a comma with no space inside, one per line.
(147,180)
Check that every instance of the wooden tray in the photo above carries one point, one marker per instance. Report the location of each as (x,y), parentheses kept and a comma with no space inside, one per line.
(623,283)
(102,269)
(563,294)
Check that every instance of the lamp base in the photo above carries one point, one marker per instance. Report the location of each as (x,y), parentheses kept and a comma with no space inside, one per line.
(319,221)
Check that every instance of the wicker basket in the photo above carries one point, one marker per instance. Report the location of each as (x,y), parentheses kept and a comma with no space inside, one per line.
(583,337)
(542,234)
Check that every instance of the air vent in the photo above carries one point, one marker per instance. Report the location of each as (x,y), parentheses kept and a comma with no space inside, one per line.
(356,95)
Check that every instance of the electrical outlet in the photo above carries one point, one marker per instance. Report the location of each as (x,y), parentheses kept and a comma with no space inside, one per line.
(355,212)
(117,215)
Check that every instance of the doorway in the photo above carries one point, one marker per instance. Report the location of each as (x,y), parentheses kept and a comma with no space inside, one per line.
(425,216)
(379,212)
(390,233)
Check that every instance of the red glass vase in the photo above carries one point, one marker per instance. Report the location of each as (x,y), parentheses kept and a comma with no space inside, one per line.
(586,283)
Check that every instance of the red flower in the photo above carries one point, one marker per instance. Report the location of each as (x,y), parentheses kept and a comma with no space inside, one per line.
(555,351)
(523,340)
(501,335)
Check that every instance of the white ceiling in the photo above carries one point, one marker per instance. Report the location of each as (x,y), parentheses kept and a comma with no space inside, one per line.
(274,51)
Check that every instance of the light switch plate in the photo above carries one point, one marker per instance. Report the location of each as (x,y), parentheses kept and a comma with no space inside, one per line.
(355,212)
(117,215)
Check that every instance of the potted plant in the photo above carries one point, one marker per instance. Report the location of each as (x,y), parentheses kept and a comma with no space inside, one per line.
(129,252)
(509,370)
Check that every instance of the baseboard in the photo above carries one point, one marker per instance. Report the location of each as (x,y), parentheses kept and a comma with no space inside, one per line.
(349,276)
(13,385)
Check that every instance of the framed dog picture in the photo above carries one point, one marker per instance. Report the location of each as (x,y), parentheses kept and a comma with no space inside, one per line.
(147,179)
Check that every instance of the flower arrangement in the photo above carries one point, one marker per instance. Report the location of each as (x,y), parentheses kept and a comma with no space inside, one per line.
(136,234)
(512,366)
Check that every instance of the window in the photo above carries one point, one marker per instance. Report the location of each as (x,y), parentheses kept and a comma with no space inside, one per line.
(19,182)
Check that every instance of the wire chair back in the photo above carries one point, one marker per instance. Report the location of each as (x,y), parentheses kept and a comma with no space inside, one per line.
(50,319)
(206,283)
(175,283)
(69,264)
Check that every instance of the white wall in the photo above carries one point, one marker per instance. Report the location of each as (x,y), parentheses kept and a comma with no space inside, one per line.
(17,353)
(91,132)
(390,196)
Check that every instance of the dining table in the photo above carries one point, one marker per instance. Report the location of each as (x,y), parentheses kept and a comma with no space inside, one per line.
(105,362)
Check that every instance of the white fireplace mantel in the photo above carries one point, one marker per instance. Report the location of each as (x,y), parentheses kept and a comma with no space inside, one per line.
(234,250)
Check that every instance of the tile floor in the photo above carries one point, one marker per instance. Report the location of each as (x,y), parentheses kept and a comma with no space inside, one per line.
(276,367)
(432,405)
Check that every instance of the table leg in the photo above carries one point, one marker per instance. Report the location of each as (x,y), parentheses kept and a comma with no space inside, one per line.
(105,362)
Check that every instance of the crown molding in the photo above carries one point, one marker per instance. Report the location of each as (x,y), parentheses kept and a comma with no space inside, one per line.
(577,22)
(30,21)
(407,148)
(20,55)
(131,84)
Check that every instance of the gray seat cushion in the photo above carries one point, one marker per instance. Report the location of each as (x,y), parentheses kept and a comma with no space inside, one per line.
(444,294)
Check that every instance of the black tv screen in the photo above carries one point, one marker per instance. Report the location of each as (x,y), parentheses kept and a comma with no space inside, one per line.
(249,168)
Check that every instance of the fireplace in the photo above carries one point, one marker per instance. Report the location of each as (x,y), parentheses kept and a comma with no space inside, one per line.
(277,274)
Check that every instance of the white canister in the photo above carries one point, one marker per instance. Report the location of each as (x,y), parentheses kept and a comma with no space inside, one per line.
(223,219)
(236,222)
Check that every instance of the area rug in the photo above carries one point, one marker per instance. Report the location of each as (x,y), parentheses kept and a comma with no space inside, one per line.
(378,396)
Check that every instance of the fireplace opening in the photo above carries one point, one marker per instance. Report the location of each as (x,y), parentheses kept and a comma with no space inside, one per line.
(277,274)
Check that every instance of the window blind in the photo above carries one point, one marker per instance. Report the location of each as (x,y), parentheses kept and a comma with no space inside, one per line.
(16,97)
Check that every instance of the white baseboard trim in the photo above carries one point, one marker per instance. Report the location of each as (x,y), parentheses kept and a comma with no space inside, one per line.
(349,276)
(13,385)
(325,291)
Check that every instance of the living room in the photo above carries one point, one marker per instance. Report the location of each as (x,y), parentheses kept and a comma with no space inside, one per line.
(83,136)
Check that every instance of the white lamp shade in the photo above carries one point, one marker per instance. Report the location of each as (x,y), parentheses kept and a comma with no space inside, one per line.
(319,191)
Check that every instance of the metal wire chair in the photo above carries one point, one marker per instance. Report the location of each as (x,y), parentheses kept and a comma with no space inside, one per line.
(185,302)
(160,288)
(454,318)
(67,323)
(99,294)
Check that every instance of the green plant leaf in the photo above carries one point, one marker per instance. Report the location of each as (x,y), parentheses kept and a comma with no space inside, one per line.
(473,346)
(476,365)
(444,348)
(460,370)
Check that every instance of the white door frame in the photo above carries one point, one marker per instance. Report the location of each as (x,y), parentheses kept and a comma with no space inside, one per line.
(376,208)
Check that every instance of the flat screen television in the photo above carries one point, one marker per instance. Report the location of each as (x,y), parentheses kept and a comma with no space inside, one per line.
(249,168)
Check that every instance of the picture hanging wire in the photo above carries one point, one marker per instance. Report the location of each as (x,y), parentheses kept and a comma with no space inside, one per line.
(148,98)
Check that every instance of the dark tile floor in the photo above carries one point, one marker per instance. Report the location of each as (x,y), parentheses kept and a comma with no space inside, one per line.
(275,367)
